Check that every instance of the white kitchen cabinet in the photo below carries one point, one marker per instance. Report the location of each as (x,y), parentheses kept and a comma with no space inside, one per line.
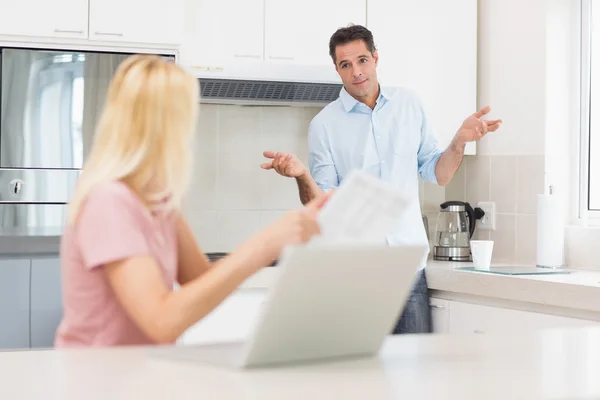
(232,320)
(298,32)
(223,32)
(467,318)
(439,315)
(430,46)
(56,18)
(265,39)
(46,301)
(137,21)
(14,303)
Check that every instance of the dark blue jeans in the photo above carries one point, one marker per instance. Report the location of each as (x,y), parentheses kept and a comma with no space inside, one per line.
(416,317)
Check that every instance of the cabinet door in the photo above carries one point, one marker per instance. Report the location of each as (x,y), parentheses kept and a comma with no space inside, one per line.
(56,18)
(14,304)
(298,32)
(439,315)
(224,31)
(137,21)
(430,46)
(468,318)
(474,318)
(46,301)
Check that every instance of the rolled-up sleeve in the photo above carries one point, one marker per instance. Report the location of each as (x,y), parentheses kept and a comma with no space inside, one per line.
(429,151)
(320,161)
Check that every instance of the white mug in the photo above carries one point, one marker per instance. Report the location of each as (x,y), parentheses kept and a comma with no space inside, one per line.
(482,250)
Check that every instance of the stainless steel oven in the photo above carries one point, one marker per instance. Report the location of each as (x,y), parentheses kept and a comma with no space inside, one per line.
(50,103)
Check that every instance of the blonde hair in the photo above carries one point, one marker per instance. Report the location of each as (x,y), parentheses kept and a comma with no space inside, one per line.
(144,134)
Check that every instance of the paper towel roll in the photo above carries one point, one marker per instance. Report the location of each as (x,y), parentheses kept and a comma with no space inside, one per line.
(550,231)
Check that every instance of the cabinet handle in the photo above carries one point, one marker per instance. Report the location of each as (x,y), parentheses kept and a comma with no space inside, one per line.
(207,68)
(280,58)
(478,331)
(108,33)
(247,56)
(436,306)
(67,31)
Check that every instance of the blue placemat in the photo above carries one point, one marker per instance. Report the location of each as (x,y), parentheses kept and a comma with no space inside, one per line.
(510,270)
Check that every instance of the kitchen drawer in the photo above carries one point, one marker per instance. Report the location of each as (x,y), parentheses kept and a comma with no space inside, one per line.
(466,318)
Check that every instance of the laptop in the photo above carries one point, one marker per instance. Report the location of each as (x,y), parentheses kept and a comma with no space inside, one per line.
(329,302)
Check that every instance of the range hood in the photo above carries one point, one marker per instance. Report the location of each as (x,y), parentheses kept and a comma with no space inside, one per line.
(266,84)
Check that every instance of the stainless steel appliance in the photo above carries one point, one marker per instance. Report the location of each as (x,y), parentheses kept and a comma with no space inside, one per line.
(50,102)
(454,229)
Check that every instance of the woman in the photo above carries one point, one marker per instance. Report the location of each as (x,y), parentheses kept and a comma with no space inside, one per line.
(126,243)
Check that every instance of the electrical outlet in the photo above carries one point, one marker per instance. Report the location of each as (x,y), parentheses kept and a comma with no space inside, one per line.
(488,222)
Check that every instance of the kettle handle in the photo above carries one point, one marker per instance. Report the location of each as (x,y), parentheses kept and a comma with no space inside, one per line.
(471,215)
(447,204)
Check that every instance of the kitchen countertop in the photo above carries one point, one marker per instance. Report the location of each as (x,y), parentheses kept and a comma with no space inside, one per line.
(548,364)
(13,245)
(574,294)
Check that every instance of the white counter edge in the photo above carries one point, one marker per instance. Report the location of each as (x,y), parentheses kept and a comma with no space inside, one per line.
(576,294)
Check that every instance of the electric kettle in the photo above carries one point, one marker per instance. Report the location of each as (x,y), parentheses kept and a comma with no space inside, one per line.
(454,229)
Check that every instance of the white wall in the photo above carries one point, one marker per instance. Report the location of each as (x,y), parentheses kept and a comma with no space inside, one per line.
(526,75)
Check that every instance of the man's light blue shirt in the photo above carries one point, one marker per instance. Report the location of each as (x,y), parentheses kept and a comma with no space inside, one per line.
(394,142)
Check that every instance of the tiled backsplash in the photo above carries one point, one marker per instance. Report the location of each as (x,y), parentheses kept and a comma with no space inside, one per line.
(513,182)
(231,197)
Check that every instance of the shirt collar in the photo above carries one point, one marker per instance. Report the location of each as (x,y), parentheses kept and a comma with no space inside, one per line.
(385,93)
(350,102)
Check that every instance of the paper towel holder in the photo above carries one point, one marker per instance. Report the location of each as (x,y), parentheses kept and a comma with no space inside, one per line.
(550,231)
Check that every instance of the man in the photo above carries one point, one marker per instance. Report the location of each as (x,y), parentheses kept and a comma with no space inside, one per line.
(387,134)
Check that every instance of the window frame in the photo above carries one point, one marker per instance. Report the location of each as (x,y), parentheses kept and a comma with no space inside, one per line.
(585,214)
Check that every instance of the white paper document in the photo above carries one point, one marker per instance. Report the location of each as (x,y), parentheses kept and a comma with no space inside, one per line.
(363,210)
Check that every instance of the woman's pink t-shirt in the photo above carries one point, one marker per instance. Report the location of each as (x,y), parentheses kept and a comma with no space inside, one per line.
(113,224)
